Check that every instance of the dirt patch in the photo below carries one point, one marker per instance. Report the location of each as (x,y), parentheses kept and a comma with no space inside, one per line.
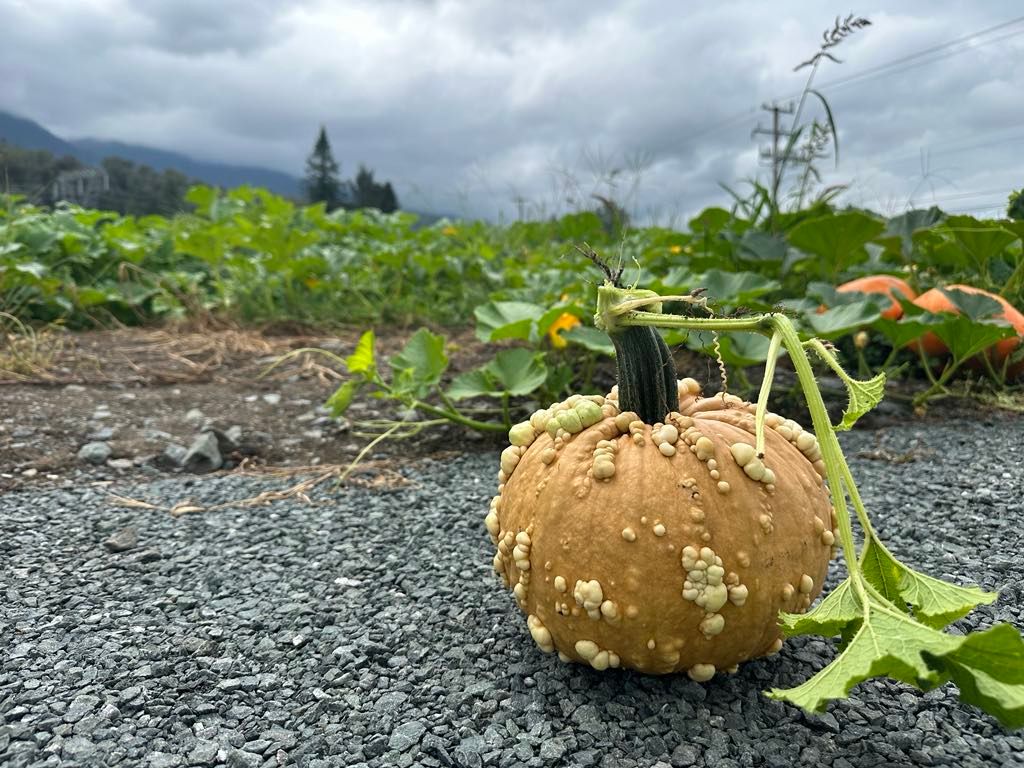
(141,390)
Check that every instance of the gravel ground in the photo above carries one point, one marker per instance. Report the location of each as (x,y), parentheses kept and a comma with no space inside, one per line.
(369,630)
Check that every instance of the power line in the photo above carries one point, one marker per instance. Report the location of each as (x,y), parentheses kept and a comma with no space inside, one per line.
(913,57)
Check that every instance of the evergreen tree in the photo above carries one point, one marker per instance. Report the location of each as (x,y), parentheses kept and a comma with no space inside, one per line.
(388,199)
(366,192)
(322,184)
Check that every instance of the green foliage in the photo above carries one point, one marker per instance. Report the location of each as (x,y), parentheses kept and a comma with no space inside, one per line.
(254,257)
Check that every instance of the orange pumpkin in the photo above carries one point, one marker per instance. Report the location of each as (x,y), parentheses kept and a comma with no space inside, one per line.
(884,285)
(662,547)
(937,301)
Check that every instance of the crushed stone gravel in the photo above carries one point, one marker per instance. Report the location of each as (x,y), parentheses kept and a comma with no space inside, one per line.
(368,630)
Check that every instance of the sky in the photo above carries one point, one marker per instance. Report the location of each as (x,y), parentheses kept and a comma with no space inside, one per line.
(499,109)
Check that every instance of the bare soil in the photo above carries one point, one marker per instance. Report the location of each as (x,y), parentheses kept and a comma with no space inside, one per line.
(150,388)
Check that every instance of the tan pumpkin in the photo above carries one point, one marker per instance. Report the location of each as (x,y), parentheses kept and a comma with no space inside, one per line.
(662,547)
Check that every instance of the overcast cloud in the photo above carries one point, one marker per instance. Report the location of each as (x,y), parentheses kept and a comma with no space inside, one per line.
(469,107)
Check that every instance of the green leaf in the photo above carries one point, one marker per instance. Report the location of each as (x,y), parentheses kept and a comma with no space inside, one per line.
(936,604)
(999,649)
(740,349)
(976,306)
(760,246)
(982,242)
(475,383)
(831,616)
(33,268)
(518,371)
(362,359)
(1004,701)
(863,395)
(419,365)
(513,371)
(589,337)
(710,220)
(886,643)
(837,238)
(902,332)
(339,402)
(965,337)
(844,318)
(734,287)
(901,228)
(506,320)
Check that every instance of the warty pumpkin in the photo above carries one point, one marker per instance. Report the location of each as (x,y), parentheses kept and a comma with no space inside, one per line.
(641,529)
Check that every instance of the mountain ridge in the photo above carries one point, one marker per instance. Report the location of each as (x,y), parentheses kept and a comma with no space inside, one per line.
(28,134)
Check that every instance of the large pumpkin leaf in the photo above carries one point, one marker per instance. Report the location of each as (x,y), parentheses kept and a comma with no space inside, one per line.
(840,320)
(513,371)
(590,338)
(499,320)
(838,239)
(981,241)
(760,246)
(419,365)
(898,236)
(734,287)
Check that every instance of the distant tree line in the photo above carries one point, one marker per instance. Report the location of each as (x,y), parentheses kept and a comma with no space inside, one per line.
(133,189)
(323,184)
(139,190)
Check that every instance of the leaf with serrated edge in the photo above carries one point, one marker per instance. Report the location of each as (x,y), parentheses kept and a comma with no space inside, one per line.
(998,651)
(883,572)
(886,644)
(839,609)
(863,395)
(1004,701)
(936,603)
(362,359)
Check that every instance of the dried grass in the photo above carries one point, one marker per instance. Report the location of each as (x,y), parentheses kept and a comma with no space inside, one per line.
(27,354)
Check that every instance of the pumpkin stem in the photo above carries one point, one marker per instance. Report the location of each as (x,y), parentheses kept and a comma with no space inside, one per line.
(646,371)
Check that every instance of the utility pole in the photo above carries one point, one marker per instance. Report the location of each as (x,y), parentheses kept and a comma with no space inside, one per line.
(772,153)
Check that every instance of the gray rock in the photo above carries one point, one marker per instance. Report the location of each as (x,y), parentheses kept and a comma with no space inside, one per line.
(172,457)
(94,453)
(204,753)
(203,455)
(685,755)
(164,760)
(226,444)
(239,758)
(195,416)
(406,735)
(101,434)
(120,463)
(123,540)
(80,706)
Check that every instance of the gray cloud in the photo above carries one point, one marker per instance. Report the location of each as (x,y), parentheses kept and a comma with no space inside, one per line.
(468,105)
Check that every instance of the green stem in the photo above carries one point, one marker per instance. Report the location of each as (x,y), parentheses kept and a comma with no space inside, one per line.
(939,384)
(766,388)
(458,418)
(506,417)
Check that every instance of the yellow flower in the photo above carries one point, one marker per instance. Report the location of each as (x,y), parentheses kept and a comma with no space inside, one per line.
(311,282)
(564,322)
(450,231)
(675,249)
